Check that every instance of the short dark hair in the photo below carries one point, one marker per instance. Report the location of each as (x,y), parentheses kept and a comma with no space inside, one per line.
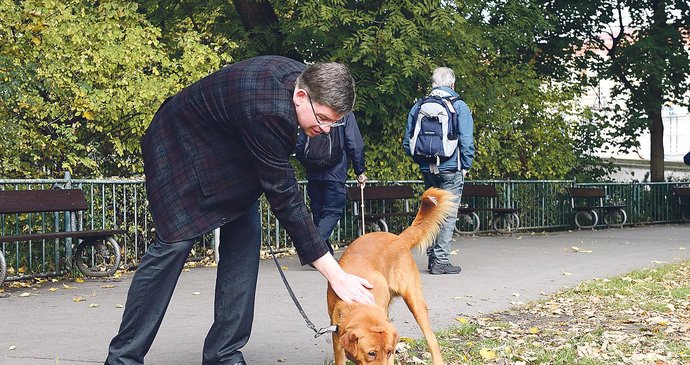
(329,84)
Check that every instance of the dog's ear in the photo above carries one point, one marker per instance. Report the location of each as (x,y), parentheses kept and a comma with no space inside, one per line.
(349,341)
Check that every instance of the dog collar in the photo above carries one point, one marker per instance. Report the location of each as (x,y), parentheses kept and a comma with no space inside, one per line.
(329,329)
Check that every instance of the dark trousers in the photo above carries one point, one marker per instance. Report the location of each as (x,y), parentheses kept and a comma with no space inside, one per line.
(155,280)
(326,201)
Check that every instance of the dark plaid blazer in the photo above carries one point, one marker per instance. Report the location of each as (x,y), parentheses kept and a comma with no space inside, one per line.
(215,147)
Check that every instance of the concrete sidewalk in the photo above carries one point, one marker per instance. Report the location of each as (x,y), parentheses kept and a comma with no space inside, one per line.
(52,327)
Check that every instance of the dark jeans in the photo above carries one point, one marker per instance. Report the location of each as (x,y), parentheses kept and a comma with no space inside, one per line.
(326,201)
(155,280)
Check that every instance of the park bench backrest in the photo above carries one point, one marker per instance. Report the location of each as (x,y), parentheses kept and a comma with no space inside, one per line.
(683,195)
(471,190)
(381,192)
(591,195)
(586,192)
(35,201)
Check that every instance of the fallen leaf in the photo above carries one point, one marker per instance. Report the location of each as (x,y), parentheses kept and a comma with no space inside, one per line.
(579,250)
(78,299)
(52,289)
(118,306)
(94,305)
(65,286)
(488,354)
(79,280)
(12,347)
(196,293)
(24,295)
(566,273)
(462,320)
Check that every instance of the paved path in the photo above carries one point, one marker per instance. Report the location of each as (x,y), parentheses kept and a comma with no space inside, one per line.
(50,327)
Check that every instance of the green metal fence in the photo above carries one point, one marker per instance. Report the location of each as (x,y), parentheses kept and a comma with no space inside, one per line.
(544,205)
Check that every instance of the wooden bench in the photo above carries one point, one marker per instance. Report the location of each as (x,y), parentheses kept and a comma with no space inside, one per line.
(586,201)
(377,221)
(96,255)
(503,220)
(683,195)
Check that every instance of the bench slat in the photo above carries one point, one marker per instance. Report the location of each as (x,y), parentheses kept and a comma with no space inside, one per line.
(381,192)
(72,234)
(479,191)
(35,201)
(586,192)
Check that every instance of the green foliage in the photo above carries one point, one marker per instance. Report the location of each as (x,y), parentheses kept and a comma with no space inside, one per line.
(81,82)
(641,46)
(86,80)
(393,46)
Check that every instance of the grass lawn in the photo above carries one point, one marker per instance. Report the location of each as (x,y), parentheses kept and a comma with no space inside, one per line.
(642,318)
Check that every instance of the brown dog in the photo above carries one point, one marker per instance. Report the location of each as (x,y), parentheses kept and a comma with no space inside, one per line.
(365,336)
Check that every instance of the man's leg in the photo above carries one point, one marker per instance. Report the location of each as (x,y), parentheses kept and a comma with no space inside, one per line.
(147,300)
(238,267)
(439,252)
(319,202)
(316,199)
(334,199)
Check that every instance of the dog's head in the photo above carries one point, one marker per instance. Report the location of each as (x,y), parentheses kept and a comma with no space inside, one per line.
(368,337)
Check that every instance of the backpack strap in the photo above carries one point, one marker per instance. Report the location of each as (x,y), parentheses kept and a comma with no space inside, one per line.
(449,101)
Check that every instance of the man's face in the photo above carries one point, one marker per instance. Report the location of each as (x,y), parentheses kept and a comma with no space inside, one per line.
(312,117)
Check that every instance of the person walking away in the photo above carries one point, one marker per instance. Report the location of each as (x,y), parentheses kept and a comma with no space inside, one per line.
(209,153)
(439,137)
(326,184)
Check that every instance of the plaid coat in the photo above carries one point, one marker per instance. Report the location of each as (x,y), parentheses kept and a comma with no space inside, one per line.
(215,147)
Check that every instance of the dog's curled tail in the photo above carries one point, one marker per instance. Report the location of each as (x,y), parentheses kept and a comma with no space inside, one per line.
(434,209)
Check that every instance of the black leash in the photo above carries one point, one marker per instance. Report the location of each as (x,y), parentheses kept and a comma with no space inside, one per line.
(318,332)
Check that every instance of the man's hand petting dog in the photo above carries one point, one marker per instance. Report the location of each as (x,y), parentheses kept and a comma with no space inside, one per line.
(349,288)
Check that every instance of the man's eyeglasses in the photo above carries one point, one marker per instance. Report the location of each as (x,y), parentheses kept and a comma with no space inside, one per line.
(322,123)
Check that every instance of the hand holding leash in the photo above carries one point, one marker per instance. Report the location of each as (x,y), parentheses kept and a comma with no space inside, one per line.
(361,180)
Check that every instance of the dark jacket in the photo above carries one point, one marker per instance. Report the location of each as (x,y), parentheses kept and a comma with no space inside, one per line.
(353,147)
(215,147)
(686,159)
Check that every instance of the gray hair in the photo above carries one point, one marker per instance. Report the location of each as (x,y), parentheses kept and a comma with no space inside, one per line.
(442,76)
(329,84)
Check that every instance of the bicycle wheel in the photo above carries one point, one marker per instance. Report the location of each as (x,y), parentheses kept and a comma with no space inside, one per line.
(467,223)
(505,223)
(3,269)
(686,216)
(586,219)
(615,218)
(98,258)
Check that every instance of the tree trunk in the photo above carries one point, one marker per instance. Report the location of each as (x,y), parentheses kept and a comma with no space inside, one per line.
(256,13)
(656,157)
(260,21)
(656,94)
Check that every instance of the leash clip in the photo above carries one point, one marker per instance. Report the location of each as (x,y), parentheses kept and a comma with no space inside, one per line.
(323,331)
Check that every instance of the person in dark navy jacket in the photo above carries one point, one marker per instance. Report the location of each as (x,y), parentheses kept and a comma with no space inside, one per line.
(686,159)
(209,153)
(326,186)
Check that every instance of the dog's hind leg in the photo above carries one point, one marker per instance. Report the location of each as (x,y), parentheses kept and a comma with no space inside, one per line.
(417,305)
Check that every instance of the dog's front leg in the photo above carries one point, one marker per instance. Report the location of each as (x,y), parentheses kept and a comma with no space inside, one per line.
(338,351)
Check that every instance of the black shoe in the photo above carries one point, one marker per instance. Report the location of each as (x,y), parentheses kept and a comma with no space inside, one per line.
(443,268)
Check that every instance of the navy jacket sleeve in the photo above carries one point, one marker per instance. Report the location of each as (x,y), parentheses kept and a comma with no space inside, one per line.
(354,145)
(686,159)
